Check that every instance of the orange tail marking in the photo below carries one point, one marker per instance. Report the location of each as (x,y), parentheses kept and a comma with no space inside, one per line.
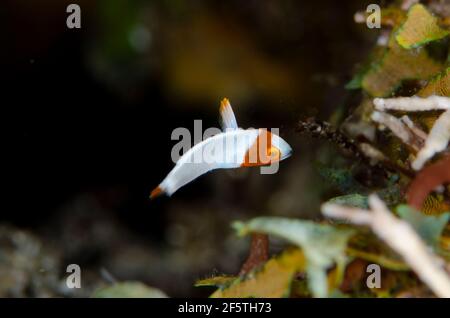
(224,103)
(156,192)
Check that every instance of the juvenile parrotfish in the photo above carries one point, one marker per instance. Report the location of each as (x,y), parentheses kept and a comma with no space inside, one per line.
(232,148)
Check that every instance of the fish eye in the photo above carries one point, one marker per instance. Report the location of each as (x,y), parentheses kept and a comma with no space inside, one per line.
(274,152)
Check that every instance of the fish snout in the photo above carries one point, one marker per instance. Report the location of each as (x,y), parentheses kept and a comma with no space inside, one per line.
(283,146)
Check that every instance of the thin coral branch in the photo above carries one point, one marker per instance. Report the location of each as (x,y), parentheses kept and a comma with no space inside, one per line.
(398,128)
(414,128)
(427,180)
(373,153)
(376,157)
(401,237)
(259,253)
(412,104)
(436,141)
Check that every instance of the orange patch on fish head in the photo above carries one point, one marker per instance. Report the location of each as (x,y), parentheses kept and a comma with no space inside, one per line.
(262,151)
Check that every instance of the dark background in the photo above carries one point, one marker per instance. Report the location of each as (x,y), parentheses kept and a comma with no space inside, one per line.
(88,113)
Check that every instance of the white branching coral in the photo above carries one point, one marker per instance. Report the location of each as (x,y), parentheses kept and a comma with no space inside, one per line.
(397,126)
(436,141)
(401,237)
(416,130)
(412,104)
(438,138)
(371,152)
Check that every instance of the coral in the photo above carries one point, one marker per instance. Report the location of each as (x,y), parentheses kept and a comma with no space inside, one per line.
(428,180)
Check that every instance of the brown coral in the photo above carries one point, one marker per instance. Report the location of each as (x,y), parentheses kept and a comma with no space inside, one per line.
(259,253)
(427,180)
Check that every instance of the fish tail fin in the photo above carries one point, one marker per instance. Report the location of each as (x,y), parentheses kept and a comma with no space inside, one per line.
(156,192)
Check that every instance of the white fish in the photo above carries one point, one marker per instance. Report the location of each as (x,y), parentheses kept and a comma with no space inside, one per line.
(233,148)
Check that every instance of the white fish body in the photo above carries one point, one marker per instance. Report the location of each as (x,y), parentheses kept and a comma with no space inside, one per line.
(232,148)
(189,167)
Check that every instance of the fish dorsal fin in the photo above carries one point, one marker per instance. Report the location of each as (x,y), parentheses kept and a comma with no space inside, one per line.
(227,115)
